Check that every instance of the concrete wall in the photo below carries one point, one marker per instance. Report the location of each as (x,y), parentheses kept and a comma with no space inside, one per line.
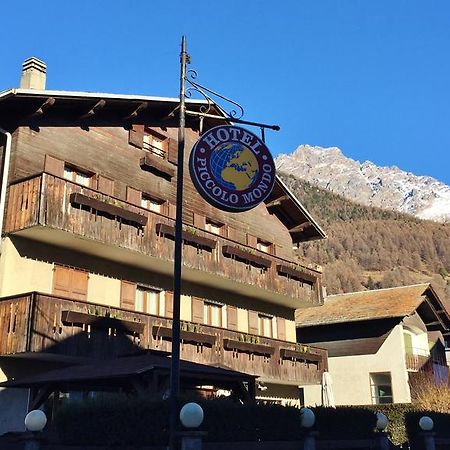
(19,274)
(13,407)
(350,374)
(313,395)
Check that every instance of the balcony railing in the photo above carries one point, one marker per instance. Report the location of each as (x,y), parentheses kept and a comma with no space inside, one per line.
(49,201)
(47,324)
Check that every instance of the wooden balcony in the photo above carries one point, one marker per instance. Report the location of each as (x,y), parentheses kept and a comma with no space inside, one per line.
(57,211)
(47,325)
(415,362)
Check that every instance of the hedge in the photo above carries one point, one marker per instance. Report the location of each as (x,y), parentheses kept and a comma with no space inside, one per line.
(136,421)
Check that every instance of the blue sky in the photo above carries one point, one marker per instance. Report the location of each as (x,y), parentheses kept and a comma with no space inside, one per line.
(371,77)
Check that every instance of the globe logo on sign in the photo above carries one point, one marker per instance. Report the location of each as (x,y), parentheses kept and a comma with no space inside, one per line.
(232,168)
(235,166)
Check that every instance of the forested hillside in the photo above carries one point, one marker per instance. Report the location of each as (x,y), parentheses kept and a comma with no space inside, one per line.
(370,248)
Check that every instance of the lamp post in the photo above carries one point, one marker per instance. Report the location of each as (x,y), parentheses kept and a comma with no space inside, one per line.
(426,425)
(35,422)
(307,421)
(381,425)
(191,417)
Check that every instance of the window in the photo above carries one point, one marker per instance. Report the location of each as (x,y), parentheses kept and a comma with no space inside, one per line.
(155,144)
(381,388)
(264,246)
(147,300)
(76,175)
(214,227)
(212,314)
(265,325)
(152,204)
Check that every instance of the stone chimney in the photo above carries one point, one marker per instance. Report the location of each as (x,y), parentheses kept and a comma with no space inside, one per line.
(33,74)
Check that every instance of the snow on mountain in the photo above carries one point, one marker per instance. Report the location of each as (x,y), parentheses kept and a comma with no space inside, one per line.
(366,183)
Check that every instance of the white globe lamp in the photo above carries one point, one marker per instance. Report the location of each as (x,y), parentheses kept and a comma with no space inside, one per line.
(307,418)
(191,415)
(35,420)
(426,423)
(382,421)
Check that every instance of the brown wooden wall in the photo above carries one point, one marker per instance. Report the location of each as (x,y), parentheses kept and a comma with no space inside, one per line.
(106,152)
(48,324)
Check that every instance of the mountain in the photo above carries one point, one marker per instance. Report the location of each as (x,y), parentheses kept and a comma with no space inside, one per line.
(369,247)
(366,183)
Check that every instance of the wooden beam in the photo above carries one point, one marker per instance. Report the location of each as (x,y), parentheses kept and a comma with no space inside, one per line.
(298,228)
(136,111)
(41,396)
(277,201)
(97,107)
(47,104)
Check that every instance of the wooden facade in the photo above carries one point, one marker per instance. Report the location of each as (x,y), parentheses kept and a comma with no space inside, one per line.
(45,200)
(103,186)
(45,324)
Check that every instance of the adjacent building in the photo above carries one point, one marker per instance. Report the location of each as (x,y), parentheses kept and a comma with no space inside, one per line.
(87,208)
(379,342)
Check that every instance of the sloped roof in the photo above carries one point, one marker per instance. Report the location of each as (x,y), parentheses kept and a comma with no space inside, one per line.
(395,302)
(22,106)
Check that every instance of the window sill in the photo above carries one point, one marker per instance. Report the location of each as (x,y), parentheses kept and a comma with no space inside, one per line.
(247,347)
(111,210)
(79,319)
(231,251)
(186,336)
(158,166)
(193,239)
(296,274)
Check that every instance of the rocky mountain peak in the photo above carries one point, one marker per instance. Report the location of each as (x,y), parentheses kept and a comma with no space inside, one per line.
(367,183)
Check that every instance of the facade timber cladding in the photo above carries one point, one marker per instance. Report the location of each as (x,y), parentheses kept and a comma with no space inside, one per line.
(88,237)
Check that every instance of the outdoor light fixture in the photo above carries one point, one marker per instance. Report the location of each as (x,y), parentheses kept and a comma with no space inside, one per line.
(382,421)
(307,418)
(35,420)
(426,423)
(191,415)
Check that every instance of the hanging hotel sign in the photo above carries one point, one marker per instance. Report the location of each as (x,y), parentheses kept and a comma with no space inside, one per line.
(232,168)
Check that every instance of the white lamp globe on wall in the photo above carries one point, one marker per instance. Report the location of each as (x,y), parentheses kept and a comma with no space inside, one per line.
(382,421)
(307,418)
(191,415)
(426,423)
(35,420)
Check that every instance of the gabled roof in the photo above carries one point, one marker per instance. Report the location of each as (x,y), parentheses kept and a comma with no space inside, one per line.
(22,107)
(397,302)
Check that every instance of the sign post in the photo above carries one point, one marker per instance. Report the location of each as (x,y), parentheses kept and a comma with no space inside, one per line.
(233,170)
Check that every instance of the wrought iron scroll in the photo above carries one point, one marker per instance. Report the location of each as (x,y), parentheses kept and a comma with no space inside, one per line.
(237,110)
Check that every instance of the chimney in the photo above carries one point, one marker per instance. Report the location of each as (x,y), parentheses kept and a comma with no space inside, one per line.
(33,74)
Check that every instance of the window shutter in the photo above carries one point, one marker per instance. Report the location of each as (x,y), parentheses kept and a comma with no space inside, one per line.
(253,322)
(68,282)
(172,210)
(252,241)
(172,153)
(169,304)
(231,233)
(79,284)
(281,328)
(199,221)
(61,281)
(134,196)
(54,166)
(232,317)
(136,136)
(105,185)
(127,295)
(197,310)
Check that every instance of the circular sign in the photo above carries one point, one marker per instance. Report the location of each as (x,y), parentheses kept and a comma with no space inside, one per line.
(232,168)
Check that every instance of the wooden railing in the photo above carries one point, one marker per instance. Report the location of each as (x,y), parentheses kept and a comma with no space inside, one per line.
(415,362)
(47,200)
(44,324)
